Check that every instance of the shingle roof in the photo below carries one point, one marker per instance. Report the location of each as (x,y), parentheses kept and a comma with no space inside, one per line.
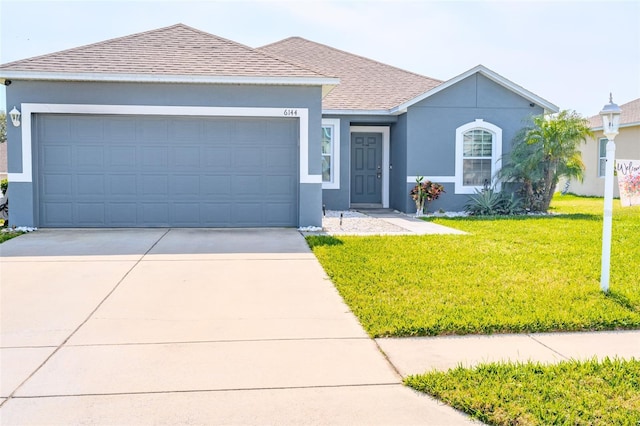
(365,84)
(175,50)
(630,115)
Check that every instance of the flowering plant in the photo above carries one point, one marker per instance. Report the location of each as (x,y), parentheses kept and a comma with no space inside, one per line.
(631,184)
(425,191)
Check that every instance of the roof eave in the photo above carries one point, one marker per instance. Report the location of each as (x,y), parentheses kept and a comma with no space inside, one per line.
(356,112)
(548,106)
(327,82)
(622,126)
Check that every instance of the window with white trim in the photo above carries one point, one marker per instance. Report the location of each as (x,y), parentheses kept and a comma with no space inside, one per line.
(330,145)
(602,156)
(478,153)
(477,145)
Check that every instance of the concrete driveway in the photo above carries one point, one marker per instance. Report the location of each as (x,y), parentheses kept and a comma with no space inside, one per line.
(187,326)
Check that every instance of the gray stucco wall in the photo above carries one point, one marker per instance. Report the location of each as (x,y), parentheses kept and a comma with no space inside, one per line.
(23,194)
(432,124)
(398,174)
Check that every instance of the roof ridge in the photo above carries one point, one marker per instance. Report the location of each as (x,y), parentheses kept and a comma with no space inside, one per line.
(287,60)
(350,54)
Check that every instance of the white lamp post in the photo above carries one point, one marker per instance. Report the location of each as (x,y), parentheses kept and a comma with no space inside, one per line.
(610,122)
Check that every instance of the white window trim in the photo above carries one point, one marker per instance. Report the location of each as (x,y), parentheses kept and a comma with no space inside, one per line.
(335,153)
(496,154)
(386,143)
(302,114)
(600,140)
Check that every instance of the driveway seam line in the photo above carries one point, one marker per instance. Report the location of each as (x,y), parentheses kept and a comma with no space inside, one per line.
(74,395)
(199,342)
(11,395)
(548,347)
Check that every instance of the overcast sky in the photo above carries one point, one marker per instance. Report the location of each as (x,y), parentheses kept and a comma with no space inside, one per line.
(572,53)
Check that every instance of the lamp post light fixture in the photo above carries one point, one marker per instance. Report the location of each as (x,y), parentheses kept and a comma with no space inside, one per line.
(15,117)
(610,123)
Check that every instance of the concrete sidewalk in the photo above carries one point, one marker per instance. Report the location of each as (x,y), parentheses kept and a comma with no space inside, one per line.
(179,326)
(420,354)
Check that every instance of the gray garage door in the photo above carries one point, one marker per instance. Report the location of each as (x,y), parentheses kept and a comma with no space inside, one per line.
(140,171)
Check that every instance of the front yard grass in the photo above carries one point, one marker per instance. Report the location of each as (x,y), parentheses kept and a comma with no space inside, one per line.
(4,236)
(568,393)
(518,274)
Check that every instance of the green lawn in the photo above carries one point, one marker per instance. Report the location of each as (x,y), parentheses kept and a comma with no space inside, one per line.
(569,393)
(521,274)
(4,236)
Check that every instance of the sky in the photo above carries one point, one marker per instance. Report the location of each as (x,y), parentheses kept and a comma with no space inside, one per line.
(571,53)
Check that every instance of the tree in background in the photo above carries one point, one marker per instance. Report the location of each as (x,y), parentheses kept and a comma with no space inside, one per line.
(3,127)
(545,151)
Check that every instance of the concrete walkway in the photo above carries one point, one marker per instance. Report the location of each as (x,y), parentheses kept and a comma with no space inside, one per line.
(176,326)
(420,354)
(410,223)
(378,221)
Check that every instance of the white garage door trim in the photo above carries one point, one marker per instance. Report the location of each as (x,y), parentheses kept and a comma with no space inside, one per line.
(302,114)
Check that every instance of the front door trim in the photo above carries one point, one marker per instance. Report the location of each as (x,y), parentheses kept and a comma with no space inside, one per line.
(386,138)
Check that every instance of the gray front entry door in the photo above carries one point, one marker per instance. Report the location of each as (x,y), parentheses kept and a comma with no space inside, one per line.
(141,171)
(366,168)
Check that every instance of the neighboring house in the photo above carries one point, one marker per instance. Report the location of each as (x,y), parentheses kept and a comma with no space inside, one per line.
(594,151)
(177,127)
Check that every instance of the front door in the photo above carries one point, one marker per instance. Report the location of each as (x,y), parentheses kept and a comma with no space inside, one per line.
(366,168)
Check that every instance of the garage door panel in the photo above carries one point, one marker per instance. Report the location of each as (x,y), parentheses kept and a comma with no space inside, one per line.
(279,214)
(152,130)
(90,214)
(57,157)
(87,129)
(248,214)
(249,185)
(154,186)
(53,128)
(122,157)
(278,186)
(90,157)
(184,186)
(185,157)
(58,213)
(139,171)
(216,214)
(154,214)
(122,185)
(185,130)
(120,129)
(57,185)
(122,214)
(280,159)
(154,157)
(217,158)
(186,214)
(217,186)
(248,158)
(90,185)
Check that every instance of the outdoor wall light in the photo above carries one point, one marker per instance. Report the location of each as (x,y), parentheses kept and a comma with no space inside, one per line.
(610,123)
(15,116)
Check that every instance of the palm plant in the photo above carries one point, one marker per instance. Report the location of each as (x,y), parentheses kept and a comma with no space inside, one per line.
(545,151)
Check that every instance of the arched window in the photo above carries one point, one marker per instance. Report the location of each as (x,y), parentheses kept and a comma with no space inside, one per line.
(478,152)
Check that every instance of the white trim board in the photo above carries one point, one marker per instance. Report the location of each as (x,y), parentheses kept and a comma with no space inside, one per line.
(435,179)
(302,114)
(386,139)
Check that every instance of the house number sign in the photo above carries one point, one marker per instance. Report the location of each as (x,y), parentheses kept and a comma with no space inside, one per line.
(290,113)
